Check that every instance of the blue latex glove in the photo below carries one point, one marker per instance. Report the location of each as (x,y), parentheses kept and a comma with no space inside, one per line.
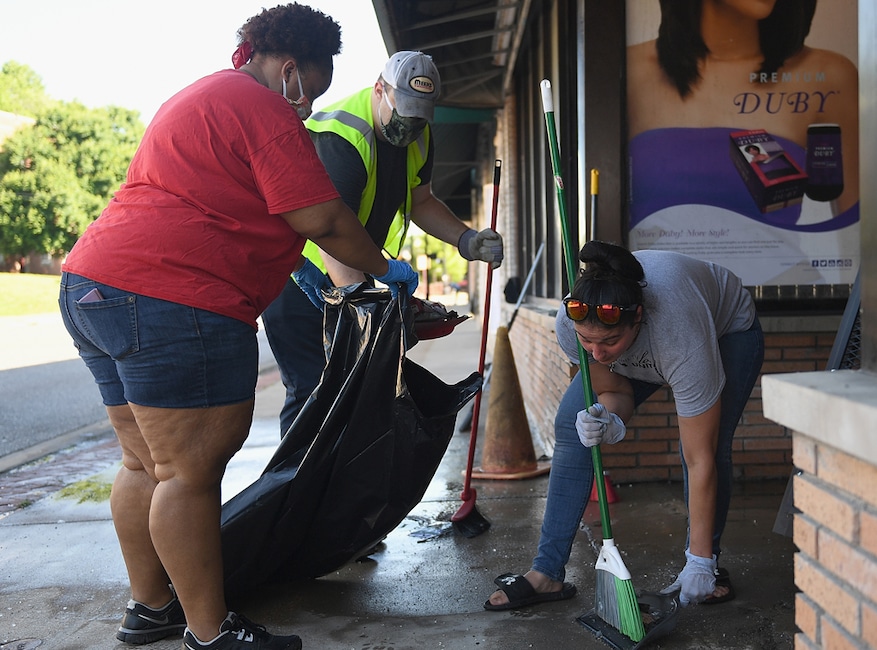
(485,246)
(397,273)
(597,425)
(697,580)
(311,280)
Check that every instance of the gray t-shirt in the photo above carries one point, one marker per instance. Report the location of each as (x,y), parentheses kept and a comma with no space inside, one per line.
(688,305)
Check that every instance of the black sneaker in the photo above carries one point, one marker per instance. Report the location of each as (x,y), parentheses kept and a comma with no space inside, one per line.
(142,624)
(239,633)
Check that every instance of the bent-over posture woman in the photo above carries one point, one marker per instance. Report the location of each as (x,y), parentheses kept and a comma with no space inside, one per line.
(648,319)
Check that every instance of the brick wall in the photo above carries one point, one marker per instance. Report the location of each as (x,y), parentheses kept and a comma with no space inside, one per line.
(650,452)
(836,536)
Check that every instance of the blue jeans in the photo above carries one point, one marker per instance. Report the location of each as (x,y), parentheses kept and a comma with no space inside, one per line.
(294,328)
(158,353)
(572,470)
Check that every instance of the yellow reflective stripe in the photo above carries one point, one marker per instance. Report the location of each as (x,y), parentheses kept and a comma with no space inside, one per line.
(351,118)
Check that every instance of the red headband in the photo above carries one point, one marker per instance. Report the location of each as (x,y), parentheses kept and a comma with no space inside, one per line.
(242,55)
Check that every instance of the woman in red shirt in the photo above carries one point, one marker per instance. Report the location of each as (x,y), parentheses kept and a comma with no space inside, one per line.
(161,296)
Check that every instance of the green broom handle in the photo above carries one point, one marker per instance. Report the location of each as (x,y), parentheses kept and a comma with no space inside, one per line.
(571,256)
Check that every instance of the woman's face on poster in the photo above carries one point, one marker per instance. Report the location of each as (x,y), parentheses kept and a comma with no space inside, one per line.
(754,9)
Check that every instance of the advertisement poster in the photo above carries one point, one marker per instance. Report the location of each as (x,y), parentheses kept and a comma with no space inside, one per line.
(743,135)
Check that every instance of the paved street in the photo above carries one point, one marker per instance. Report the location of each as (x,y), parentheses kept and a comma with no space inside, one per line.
(49,400)
(47,392)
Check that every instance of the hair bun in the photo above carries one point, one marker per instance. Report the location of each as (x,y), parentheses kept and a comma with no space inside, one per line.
(603,259)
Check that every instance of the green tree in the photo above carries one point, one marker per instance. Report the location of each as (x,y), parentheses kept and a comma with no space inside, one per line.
(56,176)
(21,90)
(43,210)
(445,258)
(97,144)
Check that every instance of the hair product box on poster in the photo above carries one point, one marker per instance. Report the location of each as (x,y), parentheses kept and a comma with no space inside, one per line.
(773,179)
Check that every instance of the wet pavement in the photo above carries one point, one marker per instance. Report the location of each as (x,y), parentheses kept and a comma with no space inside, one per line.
(63,583)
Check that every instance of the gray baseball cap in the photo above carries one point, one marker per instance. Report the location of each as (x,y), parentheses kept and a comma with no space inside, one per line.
(416,81)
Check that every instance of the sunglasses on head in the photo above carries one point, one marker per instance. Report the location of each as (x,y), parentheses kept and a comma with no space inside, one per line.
(607,314)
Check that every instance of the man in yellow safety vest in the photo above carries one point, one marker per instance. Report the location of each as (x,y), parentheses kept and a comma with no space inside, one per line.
(376,145)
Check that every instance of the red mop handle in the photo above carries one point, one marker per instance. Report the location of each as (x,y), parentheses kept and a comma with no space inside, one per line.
(476,405)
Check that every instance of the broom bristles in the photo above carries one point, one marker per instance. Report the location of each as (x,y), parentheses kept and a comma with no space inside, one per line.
(617,603)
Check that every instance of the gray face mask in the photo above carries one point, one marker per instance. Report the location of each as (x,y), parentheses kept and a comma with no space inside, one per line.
(401,131)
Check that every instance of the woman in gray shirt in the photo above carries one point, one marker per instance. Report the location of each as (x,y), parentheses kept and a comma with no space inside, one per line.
(646,320)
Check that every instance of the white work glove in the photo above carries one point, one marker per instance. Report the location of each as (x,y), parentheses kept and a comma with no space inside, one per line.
(697,580)
(597,425)
(485,246)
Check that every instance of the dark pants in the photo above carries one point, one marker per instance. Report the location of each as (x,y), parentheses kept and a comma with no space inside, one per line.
(294,328)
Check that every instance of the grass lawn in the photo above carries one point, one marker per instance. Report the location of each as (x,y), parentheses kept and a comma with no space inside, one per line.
(28,293)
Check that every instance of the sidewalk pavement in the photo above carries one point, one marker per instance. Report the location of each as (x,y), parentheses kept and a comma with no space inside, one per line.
(63,583)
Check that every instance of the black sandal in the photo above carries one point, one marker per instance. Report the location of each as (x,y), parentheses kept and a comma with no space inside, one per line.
(521,593)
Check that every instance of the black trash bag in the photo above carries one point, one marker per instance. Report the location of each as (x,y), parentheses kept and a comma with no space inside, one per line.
(355,461)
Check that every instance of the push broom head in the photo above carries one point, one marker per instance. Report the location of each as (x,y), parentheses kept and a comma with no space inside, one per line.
(616,599)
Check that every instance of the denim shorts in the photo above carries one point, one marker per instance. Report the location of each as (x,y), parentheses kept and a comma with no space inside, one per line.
(157,353)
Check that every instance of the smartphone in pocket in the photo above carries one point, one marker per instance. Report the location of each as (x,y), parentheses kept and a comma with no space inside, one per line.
(92,296)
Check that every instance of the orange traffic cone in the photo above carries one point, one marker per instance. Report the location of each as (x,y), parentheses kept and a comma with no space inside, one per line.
(508,445)
(611,495)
